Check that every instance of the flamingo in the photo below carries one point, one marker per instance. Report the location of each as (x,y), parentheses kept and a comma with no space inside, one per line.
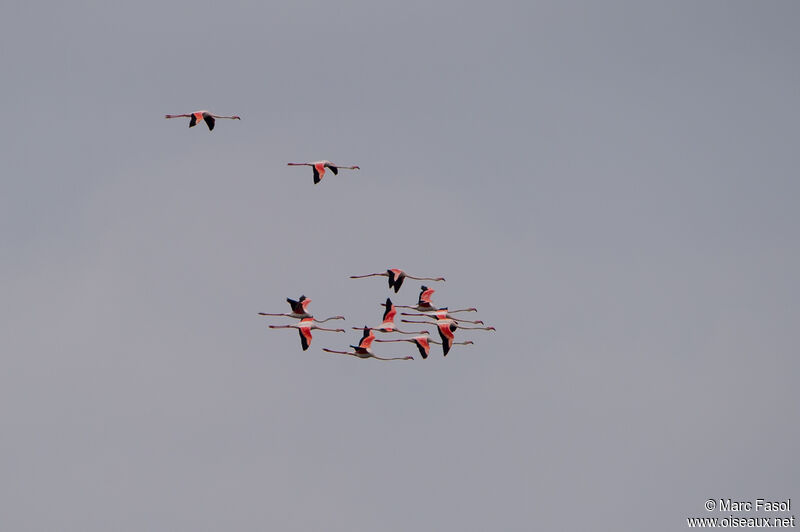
(304,328)
(424,302)
(422,343)
(446,329)
(197,116)
(444,313)
(363,349)
(320,166)
(387,326)
(396,277)
(300,310)
(452,323)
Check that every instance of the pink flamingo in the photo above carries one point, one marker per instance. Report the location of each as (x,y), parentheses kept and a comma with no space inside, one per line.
(396,277)
(424,303)
(320,166)
(443,313)
(363,349)
(300,310)
(446,329)
(451,324)
(387,326)
(304,328)
(197,116)
(423,344)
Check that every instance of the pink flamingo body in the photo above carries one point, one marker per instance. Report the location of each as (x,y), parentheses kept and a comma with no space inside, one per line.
(197,116)
(320,166)
(305,327)
(364,350)
(396,277)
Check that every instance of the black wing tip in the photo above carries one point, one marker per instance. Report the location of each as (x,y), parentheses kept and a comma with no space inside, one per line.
(422,352)
(303,340)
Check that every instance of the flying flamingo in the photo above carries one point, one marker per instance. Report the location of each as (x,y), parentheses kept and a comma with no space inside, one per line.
(304,328)
(450,323)
(444,313)
(446,329)
(396,277)
(197,116)
(320,166)
(424,302)
(363,349)
(387,325)
(422,343)
(300,310)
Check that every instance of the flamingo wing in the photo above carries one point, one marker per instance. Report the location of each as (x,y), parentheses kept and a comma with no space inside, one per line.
(423,346)
(295,305)
(446,334)
(209,121)
(389,310)
(334,169)
(366,340)
(319,172)
(425,295)
(396,278)
(193,120)
(305,337)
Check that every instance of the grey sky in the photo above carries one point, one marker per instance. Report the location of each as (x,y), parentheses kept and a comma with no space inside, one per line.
(613,186)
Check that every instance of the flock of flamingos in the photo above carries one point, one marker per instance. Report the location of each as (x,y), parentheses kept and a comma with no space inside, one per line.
(441,318)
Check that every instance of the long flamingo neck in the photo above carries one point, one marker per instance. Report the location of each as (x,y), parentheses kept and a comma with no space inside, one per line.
(331,318)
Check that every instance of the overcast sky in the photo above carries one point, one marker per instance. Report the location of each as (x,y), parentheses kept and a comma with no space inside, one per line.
(613,185)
